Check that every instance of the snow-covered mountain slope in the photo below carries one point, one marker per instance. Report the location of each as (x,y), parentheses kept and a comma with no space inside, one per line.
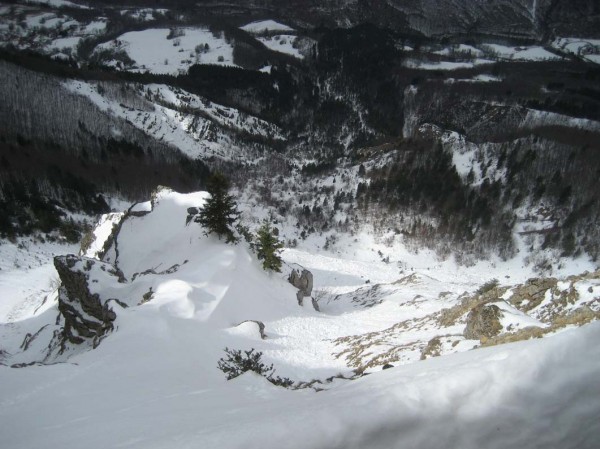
(196,126)
(505,18)
(173,298)
(49,31)
(345,105)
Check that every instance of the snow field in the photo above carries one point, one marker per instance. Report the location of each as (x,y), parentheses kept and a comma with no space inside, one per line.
(265,26)
(482,54)
(152,51)
(483,78)
(282,43)
(159,365)
(460,49)
(444,65)
(521,53)
(536,392)
(275,36)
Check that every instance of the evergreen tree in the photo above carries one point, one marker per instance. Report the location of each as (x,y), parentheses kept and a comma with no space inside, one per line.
(268,246)
(220,210)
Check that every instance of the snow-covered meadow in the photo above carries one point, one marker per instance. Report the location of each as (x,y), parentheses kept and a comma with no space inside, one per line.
(462,56)
(524,53)
(170,51)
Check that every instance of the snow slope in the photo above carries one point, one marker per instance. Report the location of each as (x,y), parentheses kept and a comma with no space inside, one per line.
(189,122)
(153,382)
(155,387)
(27,276)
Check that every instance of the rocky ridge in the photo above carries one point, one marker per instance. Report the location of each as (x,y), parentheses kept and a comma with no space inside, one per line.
(490,316)
(87,316)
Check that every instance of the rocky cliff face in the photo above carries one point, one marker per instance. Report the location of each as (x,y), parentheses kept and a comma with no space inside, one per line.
(88,316)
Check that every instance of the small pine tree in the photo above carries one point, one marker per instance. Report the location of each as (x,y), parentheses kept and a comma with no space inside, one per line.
(220,210)
(237,364)
(268,246)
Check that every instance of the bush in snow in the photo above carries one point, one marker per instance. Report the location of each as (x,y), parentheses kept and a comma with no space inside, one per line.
(488,286)
(175,33)
(237,362)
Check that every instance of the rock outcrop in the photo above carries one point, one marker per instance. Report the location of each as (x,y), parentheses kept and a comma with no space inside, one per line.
(192,215)
(303,281)
(529,295)
(260,327)
(483,321)
(88,317)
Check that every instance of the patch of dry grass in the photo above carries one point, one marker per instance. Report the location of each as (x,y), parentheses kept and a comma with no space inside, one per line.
(433,348)
(578,318)
(451,316)
(378,348)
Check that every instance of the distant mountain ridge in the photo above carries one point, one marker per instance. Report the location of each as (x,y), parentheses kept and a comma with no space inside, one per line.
(526,19)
